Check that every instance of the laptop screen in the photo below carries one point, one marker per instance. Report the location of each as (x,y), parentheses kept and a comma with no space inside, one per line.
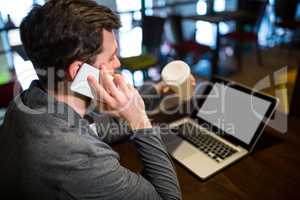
(233,111)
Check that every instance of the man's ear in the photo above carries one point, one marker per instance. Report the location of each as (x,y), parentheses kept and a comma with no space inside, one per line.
(73,70)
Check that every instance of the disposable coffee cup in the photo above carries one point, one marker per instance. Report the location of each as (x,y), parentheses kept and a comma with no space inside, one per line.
(177,75)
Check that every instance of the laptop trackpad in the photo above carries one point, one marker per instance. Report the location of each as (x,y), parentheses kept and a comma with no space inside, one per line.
(179,148)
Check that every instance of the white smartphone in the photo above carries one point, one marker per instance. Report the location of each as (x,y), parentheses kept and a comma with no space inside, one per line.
(80,84)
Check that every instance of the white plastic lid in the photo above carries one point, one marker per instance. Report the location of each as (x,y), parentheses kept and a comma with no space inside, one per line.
(176,72)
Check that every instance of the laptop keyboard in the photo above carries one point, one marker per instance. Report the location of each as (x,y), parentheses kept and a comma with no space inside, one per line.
(206,143)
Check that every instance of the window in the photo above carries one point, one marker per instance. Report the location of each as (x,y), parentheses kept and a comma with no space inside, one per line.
(205,33)
(130,37)
(8,59)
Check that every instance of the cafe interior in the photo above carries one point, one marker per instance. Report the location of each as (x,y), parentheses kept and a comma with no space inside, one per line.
(255,43)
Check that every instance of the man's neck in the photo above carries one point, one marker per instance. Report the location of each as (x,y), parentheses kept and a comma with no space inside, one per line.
(78,104)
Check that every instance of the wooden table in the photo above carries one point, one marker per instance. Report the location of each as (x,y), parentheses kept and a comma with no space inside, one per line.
(216,18)
(272,171)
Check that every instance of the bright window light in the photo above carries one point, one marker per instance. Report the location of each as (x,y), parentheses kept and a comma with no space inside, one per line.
(39,2)
(201,7)
(128,76)
(149,3)
(131,42)
(138,78)
(154,74)
(137,15)
(126,21)
(128,5)
(224,28)
(149,12)
(25,71)
(219,5)
(130,39)
(16,12)
(14,37)
(205,33)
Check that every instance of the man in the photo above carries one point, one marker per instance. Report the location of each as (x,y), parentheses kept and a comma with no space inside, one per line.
(48,150)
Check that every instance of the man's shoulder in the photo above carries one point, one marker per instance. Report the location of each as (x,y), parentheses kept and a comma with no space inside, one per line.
(20,114)
(39,123)
(51,130)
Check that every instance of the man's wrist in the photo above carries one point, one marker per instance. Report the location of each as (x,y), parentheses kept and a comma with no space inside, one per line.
(142,123)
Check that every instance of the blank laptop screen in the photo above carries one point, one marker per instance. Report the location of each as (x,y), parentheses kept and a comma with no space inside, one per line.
(233,111)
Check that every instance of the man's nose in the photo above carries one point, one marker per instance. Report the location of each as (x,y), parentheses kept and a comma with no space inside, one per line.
(117,63)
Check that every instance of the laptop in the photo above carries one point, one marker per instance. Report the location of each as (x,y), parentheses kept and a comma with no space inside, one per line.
(223,128)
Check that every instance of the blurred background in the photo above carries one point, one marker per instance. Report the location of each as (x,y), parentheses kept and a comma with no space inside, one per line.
(242,40)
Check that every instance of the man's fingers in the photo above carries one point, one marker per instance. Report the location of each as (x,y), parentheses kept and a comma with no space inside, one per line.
(121,83)
(109,85)
(99,92)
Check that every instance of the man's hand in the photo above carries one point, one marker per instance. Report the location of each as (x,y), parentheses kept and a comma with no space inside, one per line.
(163,89)
(120,98)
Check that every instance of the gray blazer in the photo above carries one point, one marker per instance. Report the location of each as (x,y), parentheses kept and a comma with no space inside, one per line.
(47,151)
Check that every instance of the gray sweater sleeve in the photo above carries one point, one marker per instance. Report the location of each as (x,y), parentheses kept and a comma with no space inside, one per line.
(158,167)
(111,129)
(94,171)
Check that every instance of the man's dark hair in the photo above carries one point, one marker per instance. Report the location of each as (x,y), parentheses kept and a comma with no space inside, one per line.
(62,31)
